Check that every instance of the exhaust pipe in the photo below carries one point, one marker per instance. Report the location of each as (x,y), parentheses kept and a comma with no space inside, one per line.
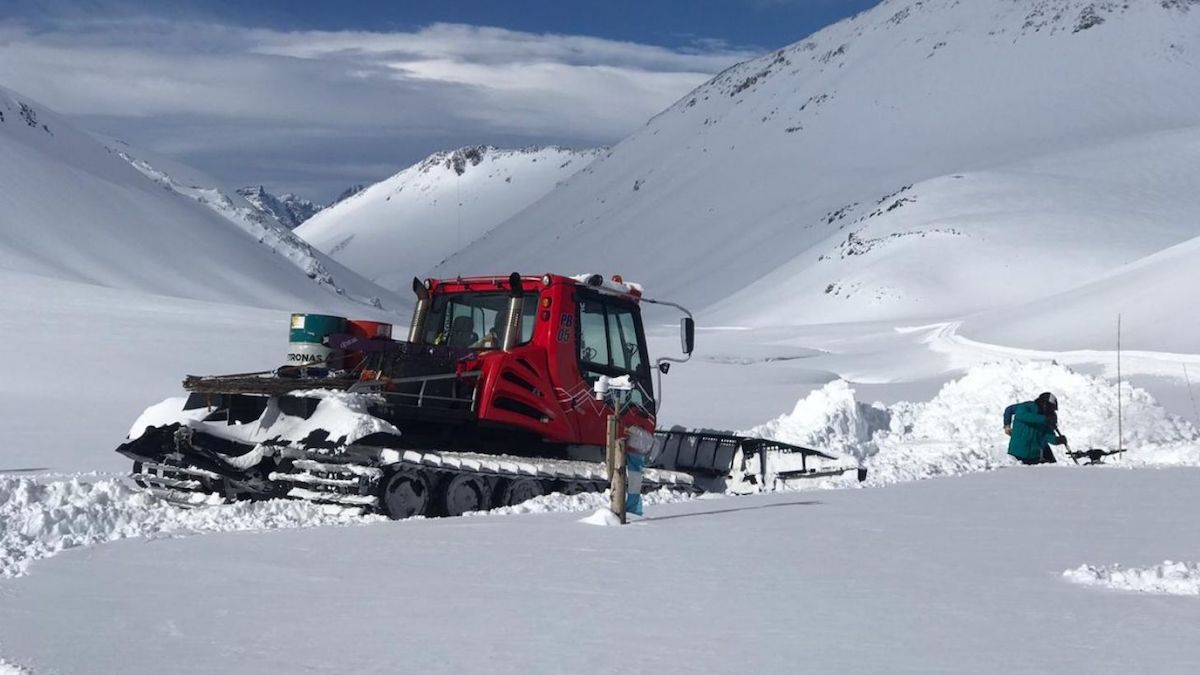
(516,293)
(420,312)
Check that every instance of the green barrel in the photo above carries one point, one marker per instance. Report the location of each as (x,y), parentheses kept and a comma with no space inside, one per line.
(305,346)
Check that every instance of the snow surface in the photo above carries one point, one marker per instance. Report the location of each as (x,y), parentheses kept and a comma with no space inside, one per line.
(93,358)
(403,226)
(934,576)
(1168,578)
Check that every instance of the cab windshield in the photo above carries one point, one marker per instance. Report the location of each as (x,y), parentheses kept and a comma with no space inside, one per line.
(475,320)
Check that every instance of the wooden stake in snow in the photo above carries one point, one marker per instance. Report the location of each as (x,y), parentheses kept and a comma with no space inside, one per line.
(615,459)
(615,390)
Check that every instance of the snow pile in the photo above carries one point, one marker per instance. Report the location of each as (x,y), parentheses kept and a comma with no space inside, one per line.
(602,518)
(41,519)
(1169,578)
(960,431)
(830,419)
(7,668)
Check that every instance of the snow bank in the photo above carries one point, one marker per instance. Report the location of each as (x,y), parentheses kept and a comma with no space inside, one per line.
(960,430)
(39,519)
(1169,578)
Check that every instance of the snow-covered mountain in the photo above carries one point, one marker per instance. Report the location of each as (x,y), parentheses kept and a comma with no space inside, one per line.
(73,209)
(403,226)
(286,208)
(924,158)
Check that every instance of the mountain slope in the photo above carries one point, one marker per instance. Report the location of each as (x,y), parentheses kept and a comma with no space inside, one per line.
(1148,294)
(982,239)
(74,210)
(760,167)
(266,230)
(403,226)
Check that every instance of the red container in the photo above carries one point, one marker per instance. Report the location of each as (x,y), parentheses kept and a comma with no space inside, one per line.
(367,330)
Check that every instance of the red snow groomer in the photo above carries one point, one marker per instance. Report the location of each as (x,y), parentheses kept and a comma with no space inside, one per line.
(488,402)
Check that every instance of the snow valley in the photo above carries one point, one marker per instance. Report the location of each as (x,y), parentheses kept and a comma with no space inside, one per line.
(888,232)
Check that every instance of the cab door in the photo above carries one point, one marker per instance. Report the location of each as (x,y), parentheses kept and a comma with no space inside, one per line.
(612,342)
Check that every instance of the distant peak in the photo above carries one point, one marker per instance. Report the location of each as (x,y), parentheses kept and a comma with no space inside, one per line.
(291,211)
(348,193)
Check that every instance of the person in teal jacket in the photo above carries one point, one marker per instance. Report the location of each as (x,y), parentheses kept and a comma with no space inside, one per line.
(1032,428)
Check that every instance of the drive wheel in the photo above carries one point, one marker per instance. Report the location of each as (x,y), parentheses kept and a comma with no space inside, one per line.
(463,492)
(518,490)
(576,487)
(137,470)
(404,494)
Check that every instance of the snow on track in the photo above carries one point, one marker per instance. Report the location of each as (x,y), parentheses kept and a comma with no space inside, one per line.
(40,518)
(1169,578)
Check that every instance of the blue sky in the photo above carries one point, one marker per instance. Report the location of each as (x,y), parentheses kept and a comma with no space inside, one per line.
(310,96)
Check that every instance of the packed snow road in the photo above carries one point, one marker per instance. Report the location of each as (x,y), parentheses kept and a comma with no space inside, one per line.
(932,575)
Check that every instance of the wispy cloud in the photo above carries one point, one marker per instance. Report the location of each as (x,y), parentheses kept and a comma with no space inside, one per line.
(264,99)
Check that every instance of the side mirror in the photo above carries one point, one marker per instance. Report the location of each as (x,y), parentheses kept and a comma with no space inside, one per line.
(687,332)
(419,289)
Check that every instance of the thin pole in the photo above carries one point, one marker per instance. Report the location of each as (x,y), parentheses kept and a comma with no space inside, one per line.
(1120,420)
(1195,411)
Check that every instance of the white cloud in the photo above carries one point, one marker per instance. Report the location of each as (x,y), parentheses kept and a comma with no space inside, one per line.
(235,88)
